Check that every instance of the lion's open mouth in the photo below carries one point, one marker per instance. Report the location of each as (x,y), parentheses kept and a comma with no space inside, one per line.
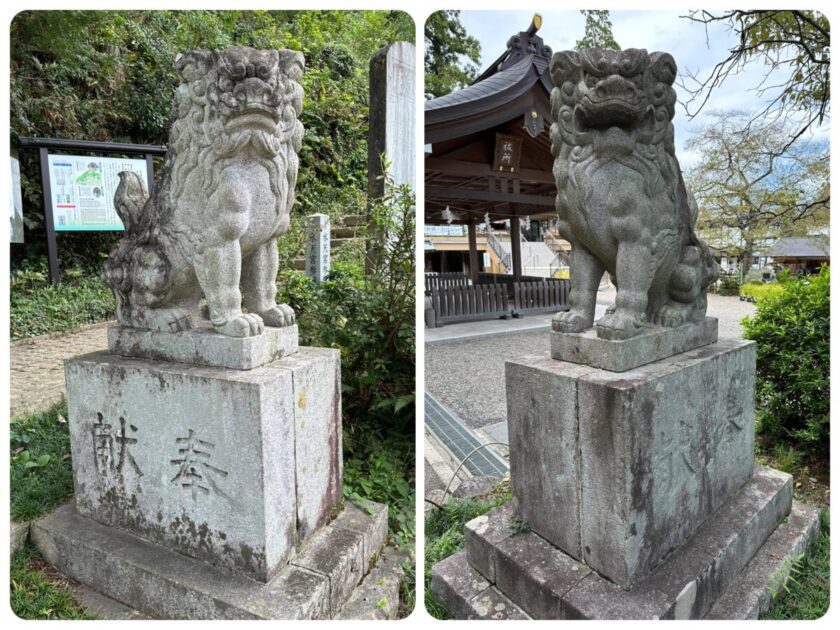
(253,117)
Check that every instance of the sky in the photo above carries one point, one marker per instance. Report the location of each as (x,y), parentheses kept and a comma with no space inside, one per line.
(653,30)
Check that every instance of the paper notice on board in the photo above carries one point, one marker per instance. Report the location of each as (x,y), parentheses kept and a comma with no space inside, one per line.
(83,190)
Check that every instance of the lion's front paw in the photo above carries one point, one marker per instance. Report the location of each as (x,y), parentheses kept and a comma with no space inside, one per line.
(279,316)
(570,322)
(671,314)
(620,324)
(245,325)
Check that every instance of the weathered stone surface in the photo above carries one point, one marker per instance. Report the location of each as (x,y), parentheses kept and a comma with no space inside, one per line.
(621,199)
(468,595)
(483,532)
(750,593)
(232,467)
(536,575)
(316,378)
(224,196)
(337,554)
(370,520)
(18,533)
(544,451)
(617,469)
(204,346)
(539,578)
(651,344)
(378,595)
(688,582)
(662,448)
(475,487)
(167,585)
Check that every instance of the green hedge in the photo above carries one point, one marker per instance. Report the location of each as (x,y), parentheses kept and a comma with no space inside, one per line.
(791,330)
(761,290)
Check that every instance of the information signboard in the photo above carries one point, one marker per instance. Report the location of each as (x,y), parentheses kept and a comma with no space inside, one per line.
(83,188)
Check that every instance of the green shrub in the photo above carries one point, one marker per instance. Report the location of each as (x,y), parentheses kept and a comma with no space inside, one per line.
(728,285)
(760,290)
(37,307)
(791,330)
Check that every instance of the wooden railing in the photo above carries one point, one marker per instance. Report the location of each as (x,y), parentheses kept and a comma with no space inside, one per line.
(539,297)
(469,303)
(445,279)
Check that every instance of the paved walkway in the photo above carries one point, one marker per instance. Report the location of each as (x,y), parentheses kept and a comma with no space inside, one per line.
(37,365)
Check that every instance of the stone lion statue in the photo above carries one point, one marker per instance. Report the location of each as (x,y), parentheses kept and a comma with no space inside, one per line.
(621,199)
(221,200)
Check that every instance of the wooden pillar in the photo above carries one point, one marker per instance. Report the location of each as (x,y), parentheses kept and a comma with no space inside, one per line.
(515,251)
(473,251)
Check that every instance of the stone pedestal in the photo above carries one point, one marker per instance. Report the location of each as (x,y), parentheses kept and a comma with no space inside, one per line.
(617,469)
(210,491)
(635,492)
(233,467)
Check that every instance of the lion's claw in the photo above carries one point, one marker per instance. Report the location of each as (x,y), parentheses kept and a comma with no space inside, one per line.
(620,324)
(279,316)
(245,325)
(570,322)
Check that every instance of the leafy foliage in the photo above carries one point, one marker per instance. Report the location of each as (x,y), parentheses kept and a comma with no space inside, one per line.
(445,535)
(792,334)
(597,31)
(760,290)
(36,307)
(794,46)
(41,475)
(808,595)
(111,76)
(451,56)
(35,596)
(747,192)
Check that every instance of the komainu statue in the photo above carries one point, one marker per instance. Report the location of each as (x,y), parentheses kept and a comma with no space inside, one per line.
(222,198)
(621,199)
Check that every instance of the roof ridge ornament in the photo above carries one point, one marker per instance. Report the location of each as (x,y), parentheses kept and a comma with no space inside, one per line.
(525,43)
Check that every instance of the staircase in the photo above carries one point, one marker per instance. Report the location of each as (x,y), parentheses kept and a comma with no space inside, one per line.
(341,234)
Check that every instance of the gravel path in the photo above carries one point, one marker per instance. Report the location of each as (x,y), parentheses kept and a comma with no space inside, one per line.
(469,376)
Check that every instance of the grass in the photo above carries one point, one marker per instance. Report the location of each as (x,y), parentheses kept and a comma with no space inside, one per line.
(41,473)
(35,594)
(445,535)
(807,594)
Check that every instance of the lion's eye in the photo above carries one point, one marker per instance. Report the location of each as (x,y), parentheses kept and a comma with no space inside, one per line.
(225,84)
(591,81)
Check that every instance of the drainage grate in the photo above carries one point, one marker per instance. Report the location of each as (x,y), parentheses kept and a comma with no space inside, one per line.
(460,440)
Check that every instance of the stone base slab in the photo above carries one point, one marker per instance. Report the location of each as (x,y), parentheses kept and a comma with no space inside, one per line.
(653,344)
(719,572)
(167,585)
(204,346)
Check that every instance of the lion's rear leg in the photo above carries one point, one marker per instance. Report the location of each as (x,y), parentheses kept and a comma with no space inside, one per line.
(686,290)
(259,286)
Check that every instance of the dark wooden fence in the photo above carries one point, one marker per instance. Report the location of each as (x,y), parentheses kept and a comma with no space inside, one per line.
(540,297)
(469,303)
(445,279)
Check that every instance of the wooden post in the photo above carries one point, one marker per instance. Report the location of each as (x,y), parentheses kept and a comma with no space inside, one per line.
(52,247)
(516,252)
(473,251)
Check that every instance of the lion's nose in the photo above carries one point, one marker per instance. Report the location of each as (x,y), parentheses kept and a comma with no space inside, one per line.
(615,86)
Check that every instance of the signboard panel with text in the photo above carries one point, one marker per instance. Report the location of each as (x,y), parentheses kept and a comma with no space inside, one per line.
(83,190)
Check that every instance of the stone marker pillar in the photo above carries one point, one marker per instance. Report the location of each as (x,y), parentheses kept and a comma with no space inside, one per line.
(318,247)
